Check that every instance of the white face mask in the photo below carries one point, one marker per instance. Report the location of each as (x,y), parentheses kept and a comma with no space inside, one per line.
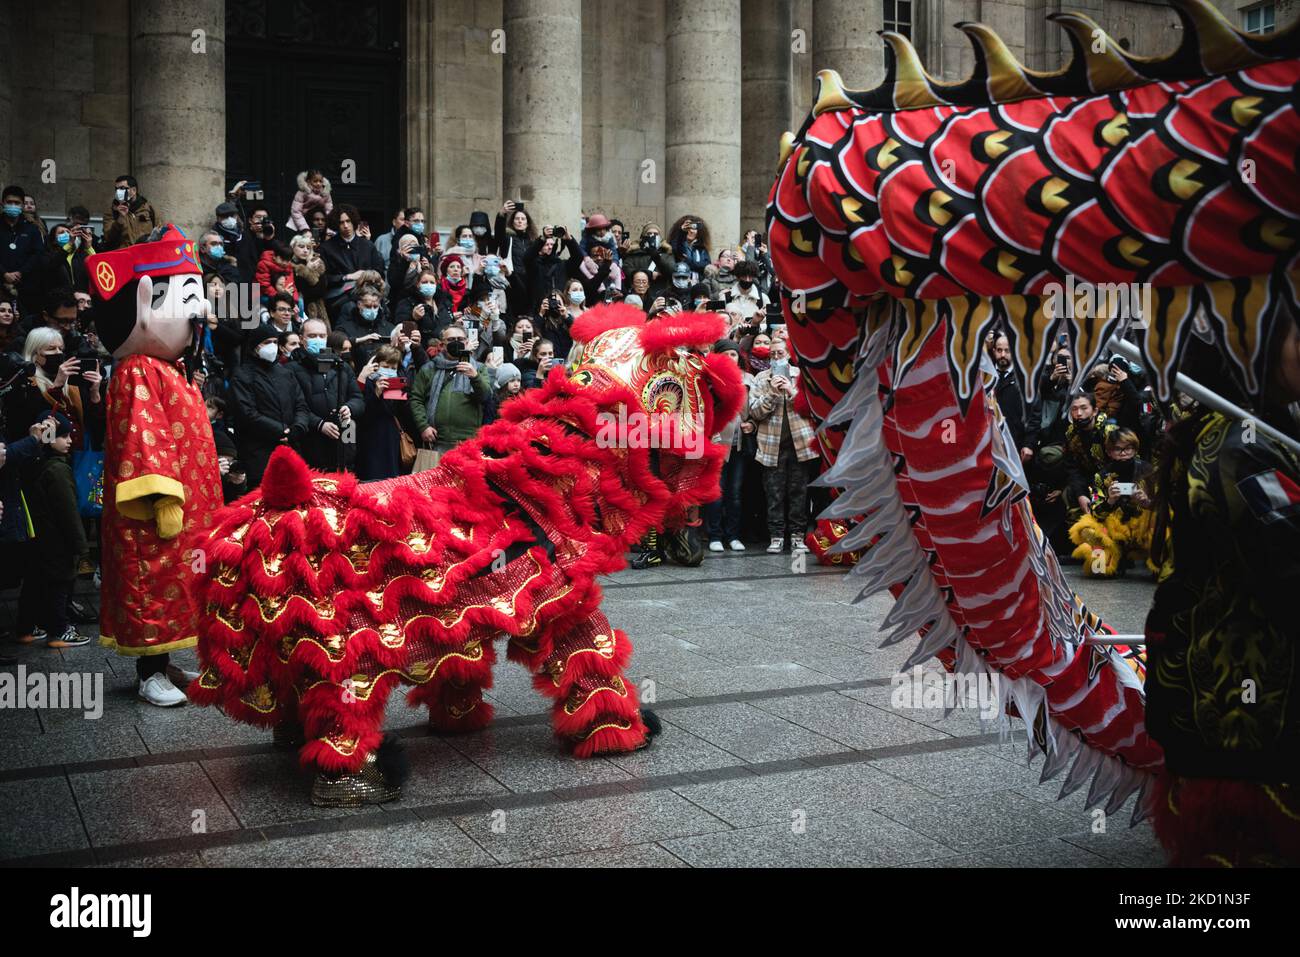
(268,352)
(120,194)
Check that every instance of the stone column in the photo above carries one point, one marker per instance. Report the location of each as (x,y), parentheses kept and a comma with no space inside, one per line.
(6,96)
(542,108)
(702,139)
(765,97)
(418,144)
(178,108)
(845,39)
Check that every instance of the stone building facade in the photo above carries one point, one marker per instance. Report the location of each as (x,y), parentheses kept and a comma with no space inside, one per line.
(646,109)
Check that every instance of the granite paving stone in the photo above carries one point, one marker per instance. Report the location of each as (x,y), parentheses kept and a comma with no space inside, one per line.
(40,817)
(144,804)
(749,733)
(419,844)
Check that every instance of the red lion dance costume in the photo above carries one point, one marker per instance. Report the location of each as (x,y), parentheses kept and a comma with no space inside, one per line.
(324,594)
(908,220)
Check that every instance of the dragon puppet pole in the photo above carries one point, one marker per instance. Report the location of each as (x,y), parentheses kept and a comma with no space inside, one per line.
(1209,398)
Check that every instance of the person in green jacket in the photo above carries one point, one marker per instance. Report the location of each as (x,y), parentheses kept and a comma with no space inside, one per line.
(60,539)
(448,394)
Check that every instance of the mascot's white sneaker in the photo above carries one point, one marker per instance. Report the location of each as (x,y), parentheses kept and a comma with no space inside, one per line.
(157,690)
(181,677)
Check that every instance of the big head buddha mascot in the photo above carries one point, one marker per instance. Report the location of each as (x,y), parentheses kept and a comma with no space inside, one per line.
(161,478)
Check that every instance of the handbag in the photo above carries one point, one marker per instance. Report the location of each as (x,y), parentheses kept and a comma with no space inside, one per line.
(426,459)
(406,447)
(88,473)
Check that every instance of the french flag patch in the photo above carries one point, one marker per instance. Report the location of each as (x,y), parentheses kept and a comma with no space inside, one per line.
(1272,496)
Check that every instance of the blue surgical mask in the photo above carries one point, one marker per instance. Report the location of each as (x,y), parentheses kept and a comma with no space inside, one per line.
(386,374)
(315,346)
(217,251)
(370,314)
(413,257)
(230,222)
(577,297)
(65,239)
(13,212)
(427,289)
(417,228)
(492,270)
(467,242)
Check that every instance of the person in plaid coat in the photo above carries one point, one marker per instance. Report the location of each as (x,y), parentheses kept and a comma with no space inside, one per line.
(785,442)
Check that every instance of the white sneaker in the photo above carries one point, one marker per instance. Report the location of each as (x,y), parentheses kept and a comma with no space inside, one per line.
(799,545)
(716,547)
(181,677)
(737,545)
(156,689)
(777,545)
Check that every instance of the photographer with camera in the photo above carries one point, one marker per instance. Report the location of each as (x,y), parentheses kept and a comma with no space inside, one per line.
(546,270)
(515,233)
(329,388)
(1117,530)
(236,242)
(448,394)
(555,314)
(653,257)
(60,383)
(537,365)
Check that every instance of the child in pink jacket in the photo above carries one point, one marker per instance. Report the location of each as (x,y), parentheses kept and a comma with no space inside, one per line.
(313,194)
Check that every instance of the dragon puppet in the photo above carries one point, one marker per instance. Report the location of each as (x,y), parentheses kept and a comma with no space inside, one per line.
(908,220)
(324,594)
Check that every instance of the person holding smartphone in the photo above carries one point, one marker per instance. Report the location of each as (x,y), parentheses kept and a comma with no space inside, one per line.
(537,365)
(785,442)
(1116,531)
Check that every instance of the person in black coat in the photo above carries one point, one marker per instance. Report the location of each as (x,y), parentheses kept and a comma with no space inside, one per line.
(61,266)
(366,323)
(269,407)
(237,241)
(1007,391)
(333,400)
(347,255)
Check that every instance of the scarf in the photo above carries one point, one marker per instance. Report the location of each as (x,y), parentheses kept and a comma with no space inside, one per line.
(454,289)
(443,367)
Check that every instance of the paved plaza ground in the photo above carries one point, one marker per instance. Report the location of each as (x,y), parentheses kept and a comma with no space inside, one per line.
(779,748)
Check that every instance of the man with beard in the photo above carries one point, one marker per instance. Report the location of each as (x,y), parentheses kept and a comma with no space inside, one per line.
(1007,392)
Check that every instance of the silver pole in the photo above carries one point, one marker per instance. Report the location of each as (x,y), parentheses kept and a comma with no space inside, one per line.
(1212,399)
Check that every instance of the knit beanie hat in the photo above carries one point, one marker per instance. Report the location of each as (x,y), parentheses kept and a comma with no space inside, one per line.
(506,373)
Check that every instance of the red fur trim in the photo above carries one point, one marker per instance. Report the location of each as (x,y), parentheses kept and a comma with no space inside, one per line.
(612,740)
(603,318)
(286,483)
(684,330)
(728,387)
(602,706)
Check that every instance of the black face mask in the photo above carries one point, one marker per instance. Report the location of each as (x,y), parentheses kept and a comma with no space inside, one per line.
(744,283)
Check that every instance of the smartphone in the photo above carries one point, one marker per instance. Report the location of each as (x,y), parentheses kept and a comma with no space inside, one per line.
(781,368)
(471,336)
(716,305)
(395,389)
(773,310)
(498,355)
(519,206)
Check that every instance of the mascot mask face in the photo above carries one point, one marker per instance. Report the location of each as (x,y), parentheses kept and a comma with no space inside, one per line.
(150,297)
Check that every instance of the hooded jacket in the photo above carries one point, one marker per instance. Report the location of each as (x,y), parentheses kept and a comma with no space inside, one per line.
(305,202)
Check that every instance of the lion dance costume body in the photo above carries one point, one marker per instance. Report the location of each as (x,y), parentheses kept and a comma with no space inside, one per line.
(906,221)
(324,594)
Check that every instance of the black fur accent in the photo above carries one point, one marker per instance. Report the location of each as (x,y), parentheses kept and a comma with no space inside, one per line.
(653,725)
(392,760)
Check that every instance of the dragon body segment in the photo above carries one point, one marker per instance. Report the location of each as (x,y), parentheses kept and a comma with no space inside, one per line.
(1119,193)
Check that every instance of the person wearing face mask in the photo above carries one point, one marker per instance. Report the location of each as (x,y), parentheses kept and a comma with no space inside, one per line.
(480,227)
(131,218)
(785,442)
(721,276)
(379,433)
(384,243)
(652,256)
(237,241)
(455,283)
(448,394)
(465,245)
(213,258)
(366,322)
(269,407)
(497,276)
(62,265)
(681,285)
(333,400)
(481,314)
(557,312)
(754,250)
(745,298)
(20,244)
(52,387)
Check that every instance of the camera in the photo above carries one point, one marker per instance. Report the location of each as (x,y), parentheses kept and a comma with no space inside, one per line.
(558,232)
(519,206)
